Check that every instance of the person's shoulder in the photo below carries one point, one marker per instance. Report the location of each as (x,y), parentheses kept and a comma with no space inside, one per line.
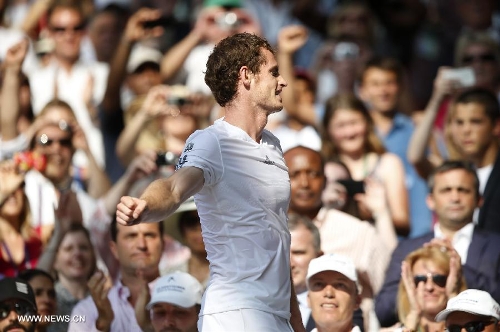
(415,242)
(337,215)
(389,159)
(493,238)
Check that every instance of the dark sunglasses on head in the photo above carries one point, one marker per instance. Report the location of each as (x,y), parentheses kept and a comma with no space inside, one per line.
(470,327)
(78,28)
(437,279)
(46,141)
(468,59)
(20,308)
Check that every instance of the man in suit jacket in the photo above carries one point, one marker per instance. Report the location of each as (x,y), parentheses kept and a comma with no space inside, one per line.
(454,194)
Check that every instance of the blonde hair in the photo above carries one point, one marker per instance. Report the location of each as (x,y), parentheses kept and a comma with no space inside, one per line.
(351,102)
(438,257)
(26,230)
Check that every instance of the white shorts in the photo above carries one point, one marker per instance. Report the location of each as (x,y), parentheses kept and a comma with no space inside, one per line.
(243,320)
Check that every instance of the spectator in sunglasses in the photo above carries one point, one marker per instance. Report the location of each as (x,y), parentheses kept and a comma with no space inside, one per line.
(453,197)
(473,310)
(429,277)
(16,299)
(481,52)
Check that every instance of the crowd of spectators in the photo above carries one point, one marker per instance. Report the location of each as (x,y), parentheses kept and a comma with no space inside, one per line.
(390,131)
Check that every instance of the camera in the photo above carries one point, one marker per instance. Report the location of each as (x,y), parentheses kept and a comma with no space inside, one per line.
(465,76)
(228,21)
(166,158)
(345,51)
(179,95)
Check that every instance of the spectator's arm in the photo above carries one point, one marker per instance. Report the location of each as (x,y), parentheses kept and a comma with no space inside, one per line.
(9,102)
(36,11)
(376,201)
(397,195)
(153,106)
(174,59)
(134,32)
(142,165)
(98,182)
(292,38)
(419,141)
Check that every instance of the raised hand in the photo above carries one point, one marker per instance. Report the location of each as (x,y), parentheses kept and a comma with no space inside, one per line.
(10,179)
(156,102)
(142,165)
(291,38)
(129,210)
(135,30)
(415,297)
(141,314)
(16,54)
(99,287)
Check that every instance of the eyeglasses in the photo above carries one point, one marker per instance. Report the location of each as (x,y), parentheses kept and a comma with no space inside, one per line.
(20,308)
(437,279)
(470,327)
(61,30)
(46,141)
(487,57)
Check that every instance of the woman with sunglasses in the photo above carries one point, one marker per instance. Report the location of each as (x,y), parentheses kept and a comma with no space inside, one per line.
(429,277)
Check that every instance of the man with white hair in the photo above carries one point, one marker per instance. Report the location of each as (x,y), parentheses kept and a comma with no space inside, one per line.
(334,293)
(473,310)
(175,303)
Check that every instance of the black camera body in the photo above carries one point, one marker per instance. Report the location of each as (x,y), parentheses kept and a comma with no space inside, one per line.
(166,159)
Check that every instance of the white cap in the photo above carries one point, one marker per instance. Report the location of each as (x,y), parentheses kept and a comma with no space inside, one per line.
(472,301)
(178,288)
(142,54)
(333,262)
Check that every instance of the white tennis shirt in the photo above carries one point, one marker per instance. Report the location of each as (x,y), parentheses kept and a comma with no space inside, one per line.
(243,210)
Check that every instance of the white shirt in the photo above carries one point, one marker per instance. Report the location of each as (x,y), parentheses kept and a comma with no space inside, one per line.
(70,88)
(305,311)
(461,240)
(243,209)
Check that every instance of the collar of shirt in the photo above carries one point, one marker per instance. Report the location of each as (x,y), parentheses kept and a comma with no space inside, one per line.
(124,292)
(461,240)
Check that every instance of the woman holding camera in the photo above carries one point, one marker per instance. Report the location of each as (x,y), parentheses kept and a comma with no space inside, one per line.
(349,135)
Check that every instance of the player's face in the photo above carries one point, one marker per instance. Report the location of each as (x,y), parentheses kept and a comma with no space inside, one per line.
(268,85)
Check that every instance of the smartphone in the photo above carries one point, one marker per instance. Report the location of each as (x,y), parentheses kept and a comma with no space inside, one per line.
(345,50)
(163,21)
(463,75)
(353,187)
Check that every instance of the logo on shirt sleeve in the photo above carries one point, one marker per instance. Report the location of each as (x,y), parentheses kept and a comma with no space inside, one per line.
(181,162)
